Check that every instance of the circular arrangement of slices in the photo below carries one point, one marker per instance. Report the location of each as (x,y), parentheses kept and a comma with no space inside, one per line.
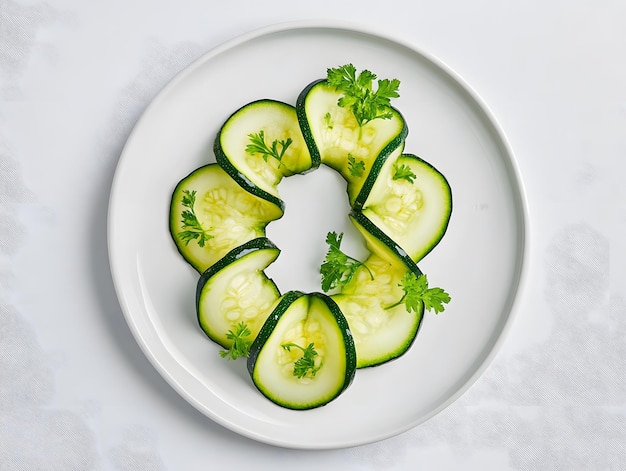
(302,349)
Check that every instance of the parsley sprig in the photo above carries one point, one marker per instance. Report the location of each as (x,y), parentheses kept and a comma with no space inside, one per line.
(258,145)
(338,268)
(241,345)
(416,291)
(193,230)
(306,362)
(355,167)
(403,172)
(359,95)
(328,121)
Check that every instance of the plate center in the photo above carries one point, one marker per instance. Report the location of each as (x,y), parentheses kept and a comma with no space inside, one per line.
(316,203)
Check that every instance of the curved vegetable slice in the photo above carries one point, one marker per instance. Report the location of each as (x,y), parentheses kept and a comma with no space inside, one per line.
(304,355)
(384,301)
(235,291)
(334,136)
(383,329)
(411,202)
(260,144)
(210,214)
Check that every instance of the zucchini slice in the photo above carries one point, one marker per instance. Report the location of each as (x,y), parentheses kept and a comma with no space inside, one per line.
(268,125)
(279,365)
(381,333)
(235,290)
(210,214)
(333,136)
(414,214)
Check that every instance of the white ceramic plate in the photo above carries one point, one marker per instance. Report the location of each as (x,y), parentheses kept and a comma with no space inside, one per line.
(479,261)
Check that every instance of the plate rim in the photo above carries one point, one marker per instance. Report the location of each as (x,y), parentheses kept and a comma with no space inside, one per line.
(523,248)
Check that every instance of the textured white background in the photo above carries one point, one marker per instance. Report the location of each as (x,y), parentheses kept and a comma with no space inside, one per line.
(76,393)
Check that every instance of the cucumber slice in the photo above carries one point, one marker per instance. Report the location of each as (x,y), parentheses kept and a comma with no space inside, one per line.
(236,289)
(380,333)
(226,216)
(333,136)
(276,126)
(414,215)
(298,321)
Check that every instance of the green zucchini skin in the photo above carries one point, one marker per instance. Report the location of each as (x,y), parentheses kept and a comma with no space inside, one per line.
(208,181)
(347,336)
(285,301)
(298,399)
(389,153)
(358,190)
(235,254)
(232,139)
(303,120)
(381,244)
(208,315)
(244,182)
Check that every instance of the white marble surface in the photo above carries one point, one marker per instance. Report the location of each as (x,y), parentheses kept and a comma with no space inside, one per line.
(76,392)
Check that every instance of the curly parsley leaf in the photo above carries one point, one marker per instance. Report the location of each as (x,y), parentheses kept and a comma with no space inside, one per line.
(403,172)
(416,291)
(359,95)
(355,167)
(258,145)
(338,268)
(241,345)
(306,363)
(193,230)
(328,121)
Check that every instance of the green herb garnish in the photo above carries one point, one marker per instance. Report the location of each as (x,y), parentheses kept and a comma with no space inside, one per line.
(306,362)
(416,291)
(193,228)
(241,345)
(258,146)
(338,268)
(328,121)
(359,95)
(355,167)
(403,172)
